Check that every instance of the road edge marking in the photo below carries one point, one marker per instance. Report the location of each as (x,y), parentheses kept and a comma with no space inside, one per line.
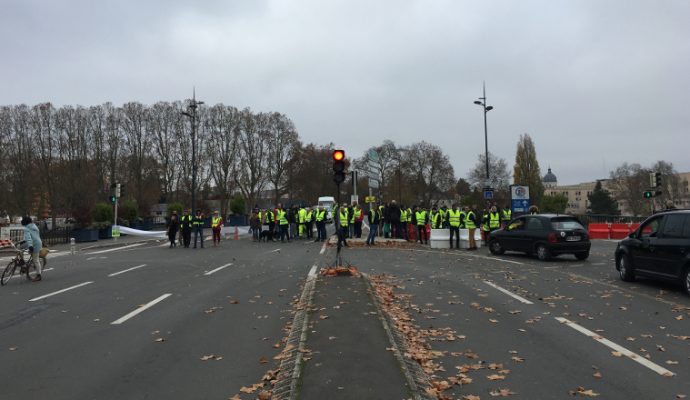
(61,291)
(126,270)
(509,293)
(217,269)
(116,249)
(140,309)
(633,356)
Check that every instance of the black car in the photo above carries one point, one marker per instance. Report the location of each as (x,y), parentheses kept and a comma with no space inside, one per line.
(659,248)
(545,235)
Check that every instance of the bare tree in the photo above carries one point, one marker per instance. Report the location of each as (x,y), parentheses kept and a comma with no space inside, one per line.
(47,152)
(161,126)
(223,124)
(252,161)
(283,143)
(628,183)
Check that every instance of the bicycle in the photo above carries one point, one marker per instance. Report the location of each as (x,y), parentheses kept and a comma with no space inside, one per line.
(26,267)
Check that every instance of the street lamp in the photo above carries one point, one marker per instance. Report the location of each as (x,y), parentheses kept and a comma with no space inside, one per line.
(482,102)
(191,113)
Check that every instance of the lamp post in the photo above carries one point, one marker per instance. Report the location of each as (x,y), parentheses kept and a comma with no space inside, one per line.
(191,113)
(482,102)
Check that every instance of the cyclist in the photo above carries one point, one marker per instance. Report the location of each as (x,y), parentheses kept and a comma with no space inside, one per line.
(34,243)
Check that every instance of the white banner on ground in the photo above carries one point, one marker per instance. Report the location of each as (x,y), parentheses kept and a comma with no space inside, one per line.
(136,232)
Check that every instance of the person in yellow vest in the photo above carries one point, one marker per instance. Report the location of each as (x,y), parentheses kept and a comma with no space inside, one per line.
(320,218)
(343,224)
(421,219)
(310,223)
(402,225)
(284,225)
(471,225)
(506,215)
(357,217)
(454,225)
(198,225)
(444,216)
(494,220)
(301,222)
(485,223)
(186,228)
(374,220)
(216,224)
(435,218)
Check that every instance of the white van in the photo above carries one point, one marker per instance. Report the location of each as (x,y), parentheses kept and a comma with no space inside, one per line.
(327,202)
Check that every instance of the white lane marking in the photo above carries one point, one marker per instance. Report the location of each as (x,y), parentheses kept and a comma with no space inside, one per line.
(116,249)
(502,260)
(141,309)
(635,357)
(126,270)
(48,269)
(96,258)
(217,269)
(509,293)
(323,248)
(61,291)
(274,251)
(312,271)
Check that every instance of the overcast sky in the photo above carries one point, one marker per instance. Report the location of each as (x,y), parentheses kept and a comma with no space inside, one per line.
(595,83)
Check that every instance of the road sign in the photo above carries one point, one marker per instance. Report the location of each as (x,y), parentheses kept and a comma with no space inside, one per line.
(373,183)
(354,199)
(373,155)
(370,199)
(488,193)
(518,192)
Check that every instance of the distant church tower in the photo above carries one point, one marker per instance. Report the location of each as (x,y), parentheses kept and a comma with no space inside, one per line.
(550,180)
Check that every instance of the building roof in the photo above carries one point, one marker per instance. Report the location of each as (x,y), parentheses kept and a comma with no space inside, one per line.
(550,177)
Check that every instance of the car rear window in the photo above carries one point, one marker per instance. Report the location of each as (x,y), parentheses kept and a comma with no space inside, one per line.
(566,224)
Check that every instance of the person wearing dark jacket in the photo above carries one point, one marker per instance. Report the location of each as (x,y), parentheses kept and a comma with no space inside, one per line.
(173,227)
(394,214)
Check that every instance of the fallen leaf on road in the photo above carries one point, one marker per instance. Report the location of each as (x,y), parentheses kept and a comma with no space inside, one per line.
(679,318)
(206,358)
(160,339)
(501,393)
(597,375)
(495,377)
(263,360)
(495,366)
(323,316)
(264,395)
(646,335)
(660,347)
(630,339)
(234,302)
(517,359)
(580,391)
(471,397)
(680,396)
(235,397)
(493,321)
(13,348)
(616,353)
(669,362)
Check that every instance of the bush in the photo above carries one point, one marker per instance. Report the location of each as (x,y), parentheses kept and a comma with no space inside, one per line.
(237,205)
(129,210)
(103,212)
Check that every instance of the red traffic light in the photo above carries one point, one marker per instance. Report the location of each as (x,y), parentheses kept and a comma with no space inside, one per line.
(338,155)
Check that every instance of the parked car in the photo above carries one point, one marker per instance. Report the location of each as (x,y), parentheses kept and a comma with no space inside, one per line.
(659,248)
(545,235)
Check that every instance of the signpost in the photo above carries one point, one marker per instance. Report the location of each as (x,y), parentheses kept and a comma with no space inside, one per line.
(519,198)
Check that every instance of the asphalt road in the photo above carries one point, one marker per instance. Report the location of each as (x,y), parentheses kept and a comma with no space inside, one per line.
(232,305)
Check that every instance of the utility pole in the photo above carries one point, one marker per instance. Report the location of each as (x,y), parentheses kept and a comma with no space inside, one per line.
(192,114)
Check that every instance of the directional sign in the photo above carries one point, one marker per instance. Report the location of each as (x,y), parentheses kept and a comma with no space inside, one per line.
(370,199)
(488,194)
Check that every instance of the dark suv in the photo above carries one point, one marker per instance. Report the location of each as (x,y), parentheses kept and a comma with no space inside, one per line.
(659,248)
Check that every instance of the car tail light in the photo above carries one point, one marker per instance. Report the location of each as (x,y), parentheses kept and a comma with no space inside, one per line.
(552,237)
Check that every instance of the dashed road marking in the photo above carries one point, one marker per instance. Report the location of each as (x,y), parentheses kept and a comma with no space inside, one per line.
(141,309)
(61,291)
(508,292)
(502,260)
(312,271)
(217,269)
(323,248)
(127,270)
(635,357)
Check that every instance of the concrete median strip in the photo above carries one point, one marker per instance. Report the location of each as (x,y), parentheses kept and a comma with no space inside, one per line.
(60,291)
(633,356)
(141,309)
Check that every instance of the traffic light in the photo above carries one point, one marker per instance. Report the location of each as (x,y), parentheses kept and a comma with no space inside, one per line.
(657,180)
(113,199)
(118,190)
(338,166)
(652,179)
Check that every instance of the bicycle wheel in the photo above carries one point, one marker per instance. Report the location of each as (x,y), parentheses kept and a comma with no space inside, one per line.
(31,271)
(8,272)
